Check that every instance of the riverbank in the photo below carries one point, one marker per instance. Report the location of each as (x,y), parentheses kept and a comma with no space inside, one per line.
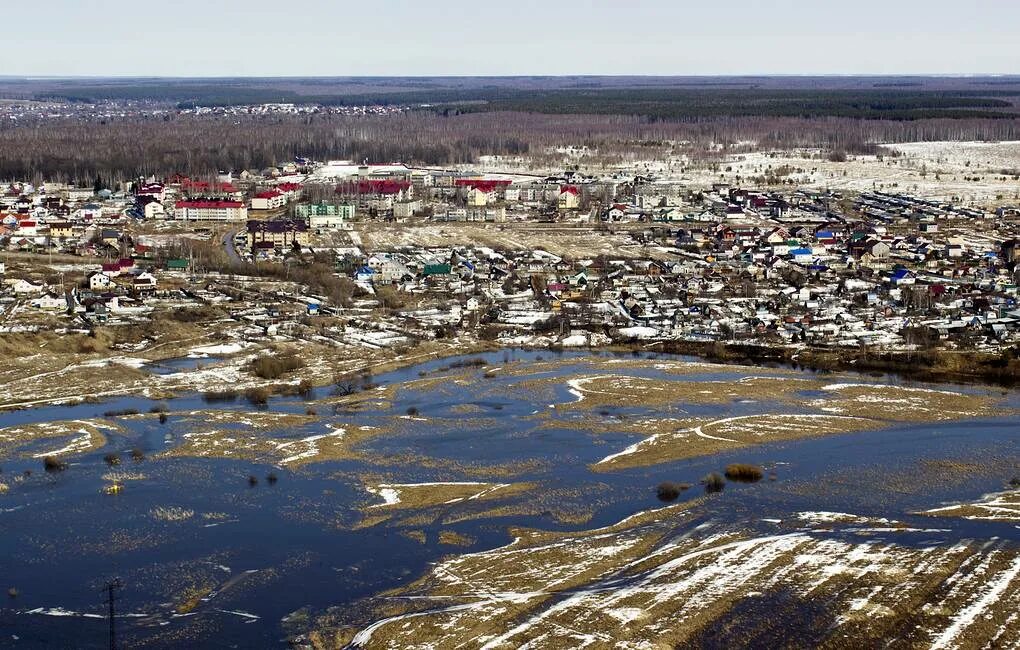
(940,366)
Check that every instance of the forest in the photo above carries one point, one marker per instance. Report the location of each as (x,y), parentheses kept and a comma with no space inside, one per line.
(620,118)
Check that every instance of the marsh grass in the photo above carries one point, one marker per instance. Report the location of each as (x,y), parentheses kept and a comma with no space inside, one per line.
(120,413)
(274,367)
(670,491)
(54,464)
(228,395)
(713,483)
(257,396)
(744,473)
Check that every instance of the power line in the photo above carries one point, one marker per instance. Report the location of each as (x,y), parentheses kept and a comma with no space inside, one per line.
(111,589)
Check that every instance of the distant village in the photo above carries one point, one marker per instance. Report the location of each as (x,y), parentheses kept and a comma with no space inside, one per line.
(719,263)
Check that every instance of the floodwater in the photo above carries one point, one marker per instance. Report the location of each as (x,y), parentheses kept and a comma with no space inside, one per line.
(278,553)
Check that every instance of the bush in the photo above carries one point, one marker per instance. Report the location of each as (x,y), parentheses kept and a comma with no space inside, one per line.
(120,413)
(412,411)
(228,395)
(137,455)
(1015,482)
(268,367)
(476,362)
(669,491)
(12,592)
(257,396)
(54,464)
(159,408)
(271,478)
(713,482)
(112,459)
(162,418)
(305,388)
(344,388)
(253,480)
(744,473)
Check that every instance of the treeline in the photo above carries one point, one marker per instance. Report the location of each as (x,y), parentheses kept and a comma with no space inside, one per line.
(688,104)
(892,100)
(72,150)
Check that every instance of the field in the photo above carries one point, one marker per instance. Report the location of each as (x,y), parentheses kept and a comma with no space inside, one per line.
(558,240)
(514,497)
(813,580)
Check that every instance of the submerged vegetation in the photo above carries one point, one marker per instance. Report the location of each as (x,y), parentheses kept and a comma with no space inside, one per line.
(713,482)
(54,464)
(744,473)
(670,491)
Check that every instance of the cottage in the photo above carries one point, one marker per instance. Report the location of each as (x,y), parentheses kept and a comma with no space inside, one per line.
(99,281)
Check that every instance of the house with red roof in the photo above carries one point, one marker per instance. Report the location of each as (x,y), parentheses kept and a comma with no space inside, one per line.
(480,192)
(268,200)
(569,198)
(210,210)
(377,193)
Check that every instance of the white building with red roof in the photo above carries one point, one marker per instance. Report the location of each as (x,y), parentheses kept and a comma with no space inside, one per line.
(210,210)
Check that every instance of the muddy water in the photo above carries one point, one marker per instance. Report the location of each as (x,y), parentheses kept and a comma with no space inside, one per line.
(270,555)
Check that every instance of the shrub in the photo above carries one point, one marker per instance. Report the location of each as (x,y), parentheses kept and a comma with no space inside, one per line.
(412,411)
(669,491)
(253,480)
(12,592)
(112,459)
(476,362)
(162,418)
(120,413)
(137,455)
(305,388)
(310,411)
(344,388)
(713,482)
(1015,482)
(744,473)
(159,408)
(271,478)
(54,464)
(268,367)
(228,395)
(257,396)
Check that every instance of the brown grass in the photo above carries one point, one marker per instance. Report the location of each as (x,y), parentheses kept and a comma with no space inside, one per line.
(744,473)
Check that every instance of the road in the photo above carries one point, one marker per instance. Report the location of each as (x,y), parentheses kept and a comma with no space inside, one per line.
(229,247)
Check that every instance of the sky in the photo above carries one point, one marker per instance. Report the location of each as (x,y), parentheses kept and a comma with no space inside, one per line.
(515,37)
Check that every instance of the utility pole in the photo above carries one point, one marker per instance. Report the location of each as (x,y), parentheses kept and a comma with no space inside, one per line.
(111,588)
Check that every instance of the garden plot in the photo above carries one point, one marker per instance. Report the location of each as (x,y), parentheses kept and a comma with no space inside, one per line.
(977,173)
(560,241)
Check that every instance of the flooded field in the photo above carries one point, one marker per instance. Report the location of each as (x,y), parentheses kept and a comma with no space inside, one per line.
(516,498)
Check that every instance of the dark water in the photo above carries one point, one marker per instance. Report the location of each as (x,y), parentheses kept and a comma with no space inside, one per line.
(275,550)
